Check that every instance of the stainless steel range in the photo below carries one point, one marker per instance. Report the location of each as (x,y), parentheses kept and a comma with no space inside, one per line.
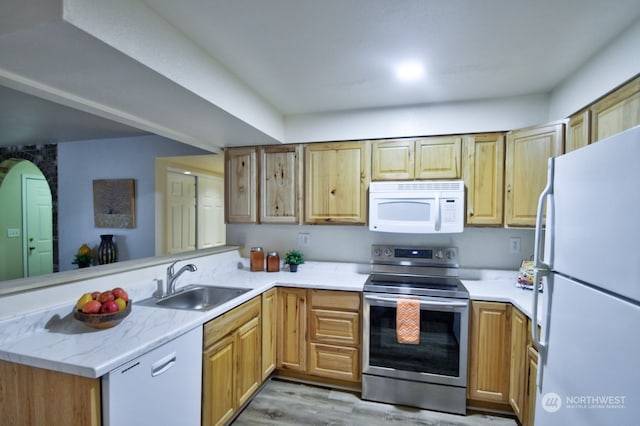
(431,373)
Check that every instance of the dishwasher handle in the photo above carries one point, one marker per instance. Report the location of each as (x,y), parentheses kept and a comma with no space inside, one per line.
(163,365)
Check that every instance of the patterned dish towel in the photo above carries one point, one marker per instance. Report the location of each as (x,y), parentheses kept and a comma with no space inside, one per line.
(408,321)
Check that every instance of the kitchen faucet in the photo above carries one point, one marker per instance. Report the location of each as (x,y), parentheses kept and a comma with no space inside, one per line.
(173,276)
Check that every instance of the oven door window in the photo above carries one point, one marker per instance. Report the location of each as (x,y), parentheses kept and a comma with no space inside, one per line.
(437,353)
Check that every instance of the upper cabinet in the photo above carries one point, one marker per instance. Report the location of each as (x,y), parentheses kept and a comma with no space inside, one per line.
(618,111)
(241,181)
(528,151)
(425,158)
(336,182)
(579,130)
(279,184)
(483,175)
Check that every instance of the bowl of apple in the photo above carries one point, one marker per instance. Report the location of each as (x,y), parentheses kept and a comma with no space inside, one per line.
(103,309)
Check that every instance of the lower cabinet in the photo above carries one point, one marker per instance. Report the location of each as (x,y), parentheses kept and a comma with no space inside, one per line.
(35,396)
(532,375)
(319,334)
(489,354)
(269,318)
(232,367)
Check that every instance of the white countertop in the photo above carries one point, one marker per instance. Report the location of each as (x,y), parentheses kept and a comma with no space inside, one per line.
(53,339)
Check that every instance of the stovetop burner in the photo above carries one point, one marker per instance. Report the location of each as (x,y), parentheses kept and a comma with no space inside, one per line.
(420,271)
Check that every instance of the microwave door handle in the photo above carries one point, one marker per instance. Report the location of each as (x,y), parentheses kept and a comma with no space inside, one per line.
(437,221)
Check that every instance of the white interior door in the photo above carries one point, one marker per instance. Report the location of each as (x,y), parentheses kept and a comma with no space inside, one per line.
(181,212)
(211,227)
(38,226)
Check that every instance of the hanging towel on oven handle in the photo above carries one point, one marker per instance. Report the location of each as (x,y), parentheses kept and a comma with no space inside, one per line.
(408,321)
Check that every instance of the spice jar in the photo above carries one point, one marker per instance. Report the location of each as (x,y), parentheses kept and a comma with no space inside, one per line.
(273,261)
(257,259)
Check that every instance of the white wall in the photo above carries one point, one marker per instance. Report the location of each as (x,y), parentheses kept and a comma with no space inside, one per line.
(79,163)
(478,247)
(436,119)
(615,64)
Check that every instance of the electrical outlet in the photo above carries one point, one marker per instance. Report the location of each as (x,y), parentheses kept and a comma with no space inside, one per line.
(514,245)
(304,239)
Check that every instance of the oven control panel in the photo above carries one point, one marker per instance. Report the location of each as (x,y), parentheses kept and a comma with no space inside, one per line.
(404,255)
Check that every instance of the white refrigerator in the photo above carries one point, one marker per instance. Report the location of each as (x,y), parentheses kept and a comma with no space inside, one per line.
(588,259)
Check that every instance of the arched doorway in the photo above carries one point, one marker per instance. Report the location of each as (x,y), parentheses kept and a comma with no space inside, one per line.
(26,221)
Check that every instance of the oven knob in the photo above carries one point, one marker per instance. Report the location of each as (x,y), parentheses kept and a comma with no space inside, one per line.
(450,254)
(388,252)
(377,252)
(438,254)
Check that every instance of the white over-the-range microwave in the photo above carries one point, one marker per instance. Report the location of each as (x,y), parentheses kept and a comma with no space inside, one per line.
(427,207)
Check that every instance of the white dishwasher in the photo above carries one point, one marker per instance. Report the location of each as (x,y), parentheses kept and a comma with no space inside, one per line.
(161,387)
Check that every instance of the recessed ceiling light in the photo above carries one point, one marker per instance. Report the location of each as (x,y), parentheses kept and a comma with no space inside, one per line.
(409,71)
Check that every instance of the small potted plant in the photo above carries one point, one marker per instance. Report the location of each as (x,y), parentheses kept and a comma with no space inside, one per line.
(293,258)
(83,257)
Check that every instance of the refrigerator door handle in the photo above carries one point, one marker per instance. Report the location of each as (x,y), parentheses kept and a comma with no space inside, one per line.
(540,268)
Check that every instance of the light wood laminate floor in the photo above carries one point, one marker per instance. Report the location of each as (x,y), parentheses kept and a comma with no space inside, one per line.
(286,403)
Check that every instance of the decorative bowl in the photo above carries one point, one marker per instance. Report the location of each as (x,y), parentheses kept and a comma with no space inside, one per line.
(102,321)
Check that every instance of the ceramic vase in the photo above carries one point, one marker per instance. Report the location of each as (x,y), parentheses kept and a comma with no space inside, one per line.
(107,251)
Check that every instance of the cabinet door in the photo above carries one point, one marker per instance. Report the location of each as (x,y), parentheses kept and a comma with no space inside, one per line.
(438,158)
(248,366)
(517,368)
(530,409)
(292,329)
(269,321)
(528,151)
(336,182)
(392,160)
(483,174)
(618,111)
(218,383)
(489,352)
(241,185)
(279,184)
(35,396)
(579,130)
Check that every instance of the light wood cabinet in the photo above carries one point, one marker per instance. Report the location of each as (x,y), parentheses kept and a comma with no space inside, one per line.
(439,157)
(269,332)
(518,379)
(334,335)
(292,328)
(319,334)
(617,111)
(39,397)
(528,151)
(280,184)
(483,175)
(231,362)
(425,158)
(532,376)
(241,185)
(336,182)
(579,130)
(489,352)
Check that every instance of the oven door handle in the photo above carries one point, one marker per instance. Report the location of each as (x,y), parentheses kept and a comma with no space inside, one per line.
(422,302)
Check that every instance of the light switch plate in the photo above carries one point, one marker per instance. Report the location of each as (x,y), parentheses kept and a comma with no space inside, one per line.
(13,233)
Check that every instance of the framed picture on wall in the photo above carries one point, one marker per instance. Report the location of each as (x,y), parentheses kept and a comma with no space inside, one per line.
(114,203)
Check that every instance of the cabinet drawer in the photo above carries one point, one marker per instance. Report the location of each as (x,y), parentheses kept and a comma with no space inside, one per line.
(334,362)
(338,327)
(219,327)
(333,299)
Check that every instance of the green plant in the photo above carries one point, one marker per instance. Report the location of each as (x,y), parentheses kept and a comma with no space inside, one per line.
(84,257)
(293,257)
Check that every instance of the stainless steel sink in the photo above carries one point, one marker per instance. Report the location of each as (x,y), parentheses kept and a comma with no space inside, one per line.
(197,297)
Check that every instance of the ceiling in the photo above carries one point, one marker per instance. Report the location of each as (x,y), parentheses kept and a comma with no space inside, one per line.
(306,57)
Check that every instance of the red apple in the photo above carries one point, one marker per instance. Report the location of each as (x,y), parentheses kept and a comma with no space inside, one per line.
(91,307)
(106,296)
(120,293)
(109,307)
(95,295)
